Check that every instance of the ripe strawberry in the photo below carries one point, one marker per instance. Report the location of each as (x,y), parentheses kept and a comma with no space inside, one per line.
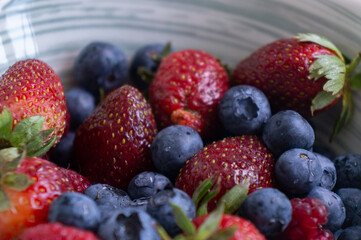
(31,88)
(186,89)
(235,160)
(306,73)
(56,231)
(113,144)
(244,228)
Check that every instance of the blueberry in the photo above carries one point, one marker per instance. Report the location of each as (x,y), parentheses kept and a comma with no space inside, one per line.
(298,171)
(145,57)
(100,65)
(141,203)
(325,150)
(128,224)
(80,104)
(61,154)
(104,194)
(269,209)
(348,168)
(336,212)
(329,176)
(351,233)
(75,209)
(286,130)
(147,184)
(351,198)
(160,209)
(172,147)
(244,110)
(337,233)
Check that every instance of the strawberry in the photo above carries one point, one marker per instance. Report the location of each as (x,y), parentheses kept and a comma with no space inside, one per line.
(186,90)
(31,88)
(306,73)
(56,231)
(233,160)
(113,144)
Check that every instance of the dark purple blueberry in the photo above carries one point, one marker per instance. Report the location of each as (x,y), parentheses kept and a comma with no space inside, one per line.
(104,194)
(80,104)
(269,209)
(75,209)
(348,168)
(172,147)
(160,209)
(61,154)
(351,233)
(286,130)
(329,176)
(351,198)
(336,212)
(100,66)
(244,110)
(147,184)
(147,57)
(298,171)
(129,224)
(325,150)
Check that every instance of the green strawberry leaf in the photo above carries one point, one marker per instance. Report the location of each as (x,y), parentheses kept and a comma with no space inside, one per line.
(355,82)
(331,67)
(225,234)
(43,149)
(203,207)
(6,124)
(4,201)
(26,129)
(10,159)
(211,224)
(234,198)
(162,232)
(167,50)
(182,220)
(202,190)
(145,74)
(38,142)
(322,100)
(16,181)
(346,114)
(320,40)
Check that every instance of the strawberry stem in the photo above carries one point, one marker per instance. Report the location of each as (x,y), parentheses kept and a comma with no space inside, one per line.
(354,63)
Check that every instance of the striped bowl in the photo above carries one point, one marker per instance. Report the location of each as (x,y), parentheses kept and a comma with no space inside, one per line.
(55,31)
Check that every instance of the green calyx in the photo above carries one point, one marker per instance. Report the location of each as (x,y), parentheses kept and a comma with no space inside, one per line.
(340,79)
(209,230)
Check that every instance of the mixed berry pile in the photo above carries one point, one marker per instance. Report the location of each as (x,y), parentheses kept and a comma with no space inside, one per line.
(178,145)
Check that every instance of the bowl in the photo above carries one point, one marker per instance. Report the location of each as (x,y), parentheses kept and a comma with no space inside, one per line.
(55,31)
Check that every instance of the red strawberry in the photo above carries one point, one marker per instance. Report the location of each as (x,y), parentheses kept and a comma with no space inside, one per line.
(187,88)
(56,231)
(244,228)
(32,88)
(113,144)
(235,160)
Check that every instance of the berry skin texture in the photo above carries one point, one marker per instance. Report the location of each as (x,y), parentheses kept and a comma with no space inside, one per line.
(336,211)
(31,88)
(128,224)
(144,57)
(348,168)
(308,216)
(268,209)
(351,233)
(57,231)
(172,147)
(280,69)
(244,110)
(286,130)
(244,228)
(100,65)
(329,176)
(81,104)
(298,171)
(234,160)
(351,198)
(147,184)
(113,144)
(75,209)
(160,209)
(189,84)
(30,206)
